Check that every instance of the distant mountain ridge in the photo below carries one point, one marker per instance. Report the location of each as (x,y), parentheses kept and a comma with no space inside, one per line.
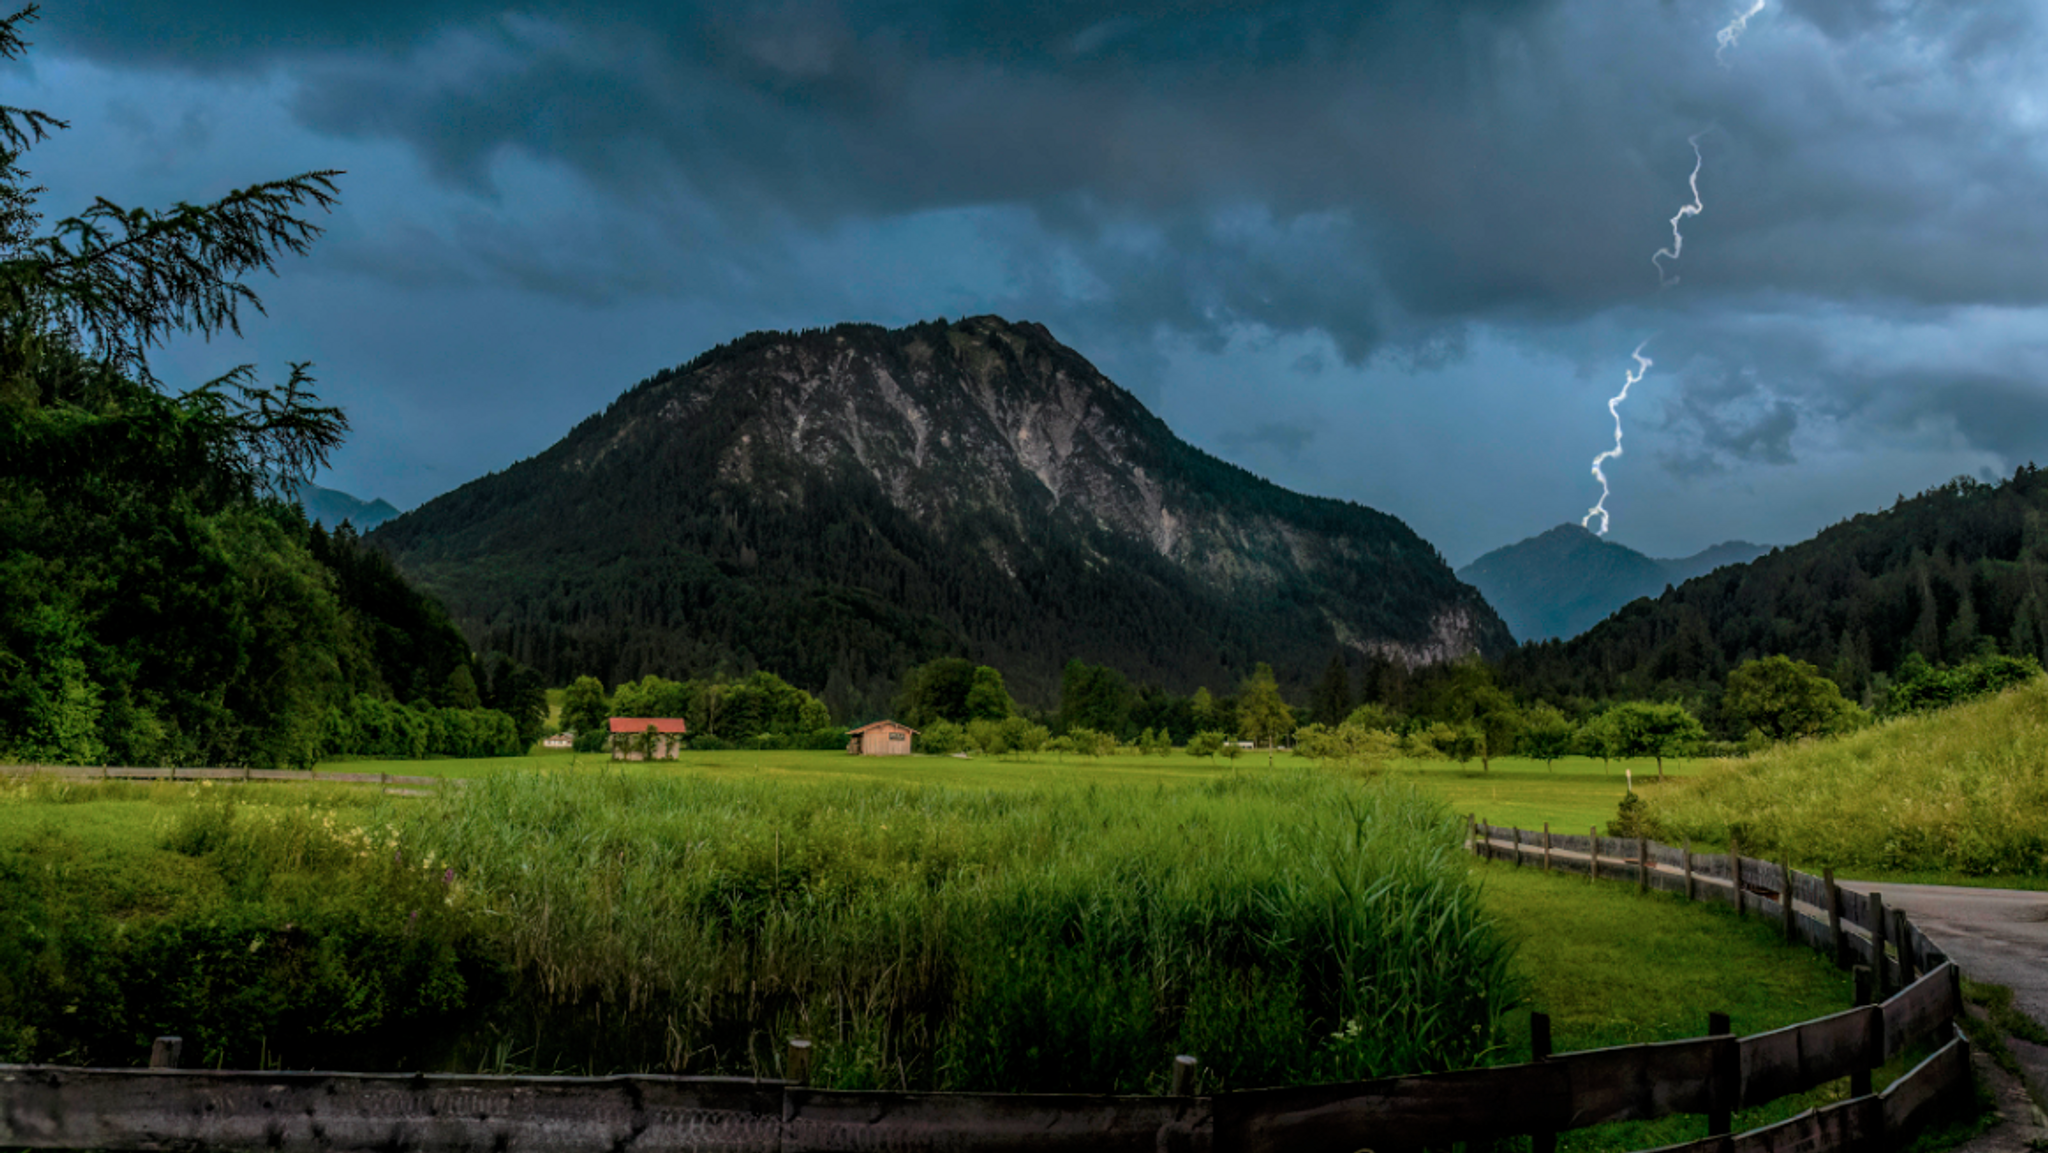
(332,506)
(1950,575)
(835,505)
(1560,583)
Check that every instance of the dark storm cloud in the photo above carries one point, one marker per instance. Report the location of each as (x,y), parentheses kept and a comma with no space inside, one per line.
(1726,418)
(1376,172)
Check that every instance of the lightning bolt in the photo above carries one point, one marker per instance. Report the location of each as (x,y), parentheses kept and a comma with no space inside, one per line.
(1727,37)
(1635,376)
(1684,210)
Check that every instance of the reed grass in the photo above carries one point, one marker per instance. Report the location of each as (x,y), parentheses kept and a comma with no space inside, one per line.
(1285,927)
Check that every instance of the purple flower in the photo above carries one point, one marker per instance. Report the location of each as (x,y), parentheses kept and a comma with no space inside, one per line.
(448,875)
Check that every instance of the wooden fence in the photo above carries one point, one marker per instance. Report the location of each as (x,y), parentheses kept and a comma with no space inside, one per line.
(48,1107)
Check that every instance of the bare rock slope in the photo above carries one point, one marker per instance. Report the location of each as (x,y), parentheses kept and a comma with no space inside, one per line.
(839,503)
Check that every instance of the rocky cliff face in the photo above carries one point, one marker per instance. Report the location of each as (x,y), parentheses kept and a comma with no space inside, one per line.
(981,454)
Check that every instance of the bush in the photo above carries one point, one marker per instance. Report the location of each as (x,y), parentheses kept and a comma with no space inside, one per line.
(941,738)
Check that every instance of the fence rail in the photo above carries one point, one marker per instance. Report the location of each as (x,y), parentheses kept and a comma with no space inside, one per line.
(48,1107)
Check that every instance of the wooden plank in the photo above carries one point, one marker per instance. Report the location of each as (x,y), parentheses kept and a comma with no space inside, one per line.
(1810,891)
(1856,909)
(1434,1109)
(134,773)
(1711,865)
(1840,1128)
(350,778)
(1919,1011)
(825,1121)
(1813,931)
(1713,889)
(1568,842)
(1809,1054)
(209,774)
(1563,864)
(1640,1082)
(1616,849)
(1762,876)
(1907,1099)
(280,775)
(427,781)
(46,1108)
(1672,856)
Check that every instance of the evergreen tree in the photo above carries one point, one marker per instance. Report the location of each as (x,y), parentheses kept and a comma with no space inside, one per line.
(1332,701)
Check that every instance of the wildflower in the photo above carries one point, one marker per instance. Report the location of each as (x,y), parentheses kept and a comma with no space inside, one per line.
(448,875)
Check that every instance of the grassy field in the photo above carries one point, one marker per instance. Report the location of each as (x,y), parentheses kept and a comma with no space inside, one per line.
(1956,795)
(1573,793)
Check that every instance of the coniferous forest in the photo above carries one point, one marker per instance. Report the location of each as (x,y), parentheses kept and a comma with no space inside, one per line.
(1953,574)
(162,605)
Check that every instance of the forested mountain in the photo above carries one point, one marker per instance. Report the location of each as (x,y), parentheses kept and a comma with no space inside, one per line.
(1953,573)
(1565,581)
(837,505)
(330,507)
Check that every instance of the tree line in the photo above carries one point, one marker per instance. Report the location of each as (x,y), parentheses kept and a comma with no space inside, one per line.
(163,604)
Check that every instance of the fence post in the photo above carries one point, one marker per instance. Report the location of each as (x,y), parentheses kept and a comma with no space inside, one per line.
(1546,846)
(1518,846)
(1184,1076)
(1735,872)
(1539,1050)
(1881,987)
(1593,870)
(1642,864)
(1688,869)
(166,1053)
(797,1070)
(1485,839)
(1835,917)
(1785,897)
(1859,1078)
(1904,940)
(1727,1077)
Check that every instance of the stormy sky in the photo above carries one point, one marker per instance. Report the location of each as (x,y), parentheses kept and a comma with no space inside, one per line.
(1392,252)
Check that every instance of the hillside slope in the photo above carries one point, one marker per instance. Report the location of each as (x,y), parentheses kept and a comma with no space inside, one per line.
(1562,582)
(1945,575)
(1961,790)
(835,505)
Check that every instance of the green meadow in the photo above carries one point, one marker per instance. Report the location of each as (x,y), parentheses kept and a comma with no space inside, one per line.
(929,921)
(1573,793)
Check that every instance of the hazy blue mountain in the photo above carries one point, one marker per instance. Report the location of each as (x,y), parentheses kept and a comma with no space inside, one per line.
(331,506)
(1564,581)
(837,504)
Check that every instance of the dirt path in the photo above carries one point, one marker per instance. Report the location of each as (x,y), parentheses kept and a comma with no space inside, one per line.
(1996,935)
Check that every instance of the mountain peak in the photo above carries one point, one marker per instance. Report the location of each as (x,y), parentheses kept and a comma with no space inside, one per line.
(848,500)
(1565,580)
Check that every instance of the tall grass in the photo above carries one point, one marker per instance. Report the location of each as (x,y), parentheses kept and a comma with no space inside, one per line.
(1962,791)
(1284,928)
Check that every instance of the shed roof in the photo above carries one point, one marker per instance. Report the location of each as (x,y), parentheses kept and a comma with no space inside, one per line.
(879,725)
(640,724)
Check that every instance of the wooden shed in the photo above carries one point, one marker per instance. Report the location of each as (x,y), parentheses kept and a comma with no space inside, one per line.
(881,739)
(630,741)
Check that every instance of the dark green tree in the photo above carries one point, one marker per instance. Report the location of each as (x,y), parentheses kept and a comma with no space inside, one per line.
(1651,729)
(1263,717)
(1786,700)
(1331,701)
